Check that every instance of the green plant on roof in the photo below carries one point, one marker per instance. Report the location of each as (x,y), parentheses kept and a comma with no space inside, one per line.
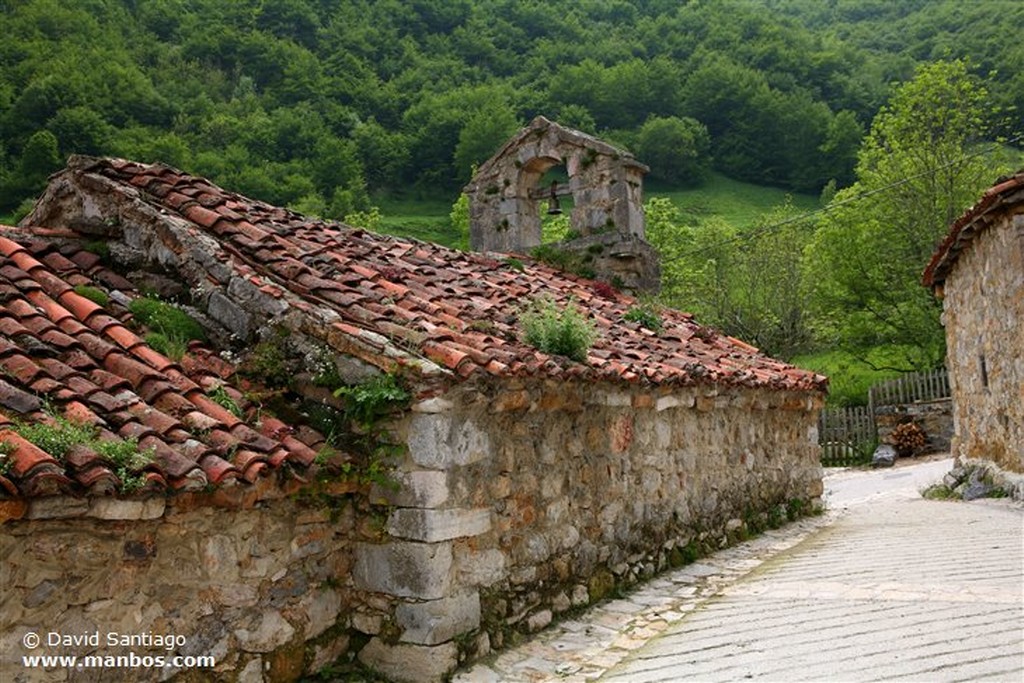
(268,362)
(370,401)
(646,317)
(60,435)
(127,460)
(171,329)
(359,427)
(93,294)
(559,331)
(515,264)
(6,451)
(221,397)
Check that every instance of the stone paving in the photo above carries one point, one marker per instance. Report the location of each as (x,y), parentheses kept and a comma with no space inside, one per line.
(885,586)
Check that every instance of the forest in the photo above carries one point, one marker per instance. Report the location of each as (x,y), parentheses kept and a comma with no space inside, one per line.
(333,107)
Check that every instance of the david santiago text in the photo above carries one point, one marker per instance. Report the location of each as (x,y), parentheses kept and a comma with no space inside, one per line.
(165,641)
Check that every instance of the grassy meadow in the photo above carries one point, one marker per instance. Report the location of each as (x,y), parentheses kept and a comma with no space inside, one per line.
(734,202)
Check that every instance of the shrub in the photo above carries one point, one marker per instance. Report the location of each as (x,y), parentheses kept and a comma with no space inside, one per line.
(59,436)
(366,403)
(563,332)
(604,289)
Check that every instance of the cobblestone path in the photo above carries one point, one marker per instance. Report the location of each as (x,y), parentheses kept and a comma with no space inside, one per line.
(886,586)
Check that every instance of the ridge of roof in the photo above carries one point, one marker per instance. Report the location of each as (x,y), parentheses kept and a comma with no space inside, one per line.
(973,221)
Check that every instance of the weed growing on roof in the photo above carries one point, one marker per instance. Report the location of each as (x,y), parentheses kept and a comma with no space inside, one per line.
(563,332)
(326,370)
(59,436)
(561,259)
(6,451)
(367,405)
(171,329)
(268,362)
(98,247)
(221,397)
(368,402)
(646,317)
(515,264)
(127,460)
(485,326)
(604,290)
(93,294)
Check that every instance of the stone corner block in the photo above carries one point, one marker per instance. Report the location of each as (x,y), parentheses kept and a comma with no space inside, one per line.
(480,567)
(272,632)
(406,663)
(431,526)
(417,489)
(438,621)
(436,442)
(404,569)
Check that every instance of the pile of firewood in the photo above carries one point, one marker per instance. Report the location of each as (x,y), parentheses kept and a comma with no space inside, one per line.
(908,439)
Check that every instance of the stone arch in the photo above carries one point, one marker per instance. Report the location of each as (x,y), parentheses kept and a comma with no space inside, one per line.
(605,184)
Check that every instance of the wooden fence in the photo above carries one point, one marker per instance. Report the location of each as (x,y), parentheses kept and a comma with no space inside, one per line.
(848,436)
(919,386)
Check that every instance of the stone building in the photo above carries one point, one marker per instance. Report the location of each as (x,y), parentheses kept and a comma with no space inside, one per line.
(606,187)
(509,486)
(978,272)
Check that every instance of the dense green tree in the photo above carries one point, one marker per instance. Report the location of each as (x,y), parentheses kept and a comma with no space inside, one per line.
(676,149)
(38,159)
(919,167)
(483,133)
(747,284)
(783,93)
(80,130)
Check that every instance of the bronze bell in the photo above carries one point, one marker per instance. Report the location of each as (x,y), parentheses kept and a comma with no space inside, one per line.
(553,208)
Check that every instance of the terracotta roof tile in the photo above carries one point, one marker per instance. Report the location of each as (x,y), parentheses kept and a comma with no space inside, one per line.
(1006,192)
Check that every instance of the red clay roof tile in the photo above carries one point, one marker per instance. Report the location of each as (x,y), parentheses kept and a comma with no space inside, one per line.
(1006,192)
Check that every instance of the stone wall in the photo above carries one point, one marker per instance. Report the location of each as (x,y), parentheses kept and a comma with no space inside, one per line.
(264,590)
(521,501)
(515,501)
(983,308)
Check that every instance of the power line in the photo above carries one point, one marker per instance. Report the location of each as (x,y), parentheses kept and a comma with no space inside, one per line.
(747,235)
